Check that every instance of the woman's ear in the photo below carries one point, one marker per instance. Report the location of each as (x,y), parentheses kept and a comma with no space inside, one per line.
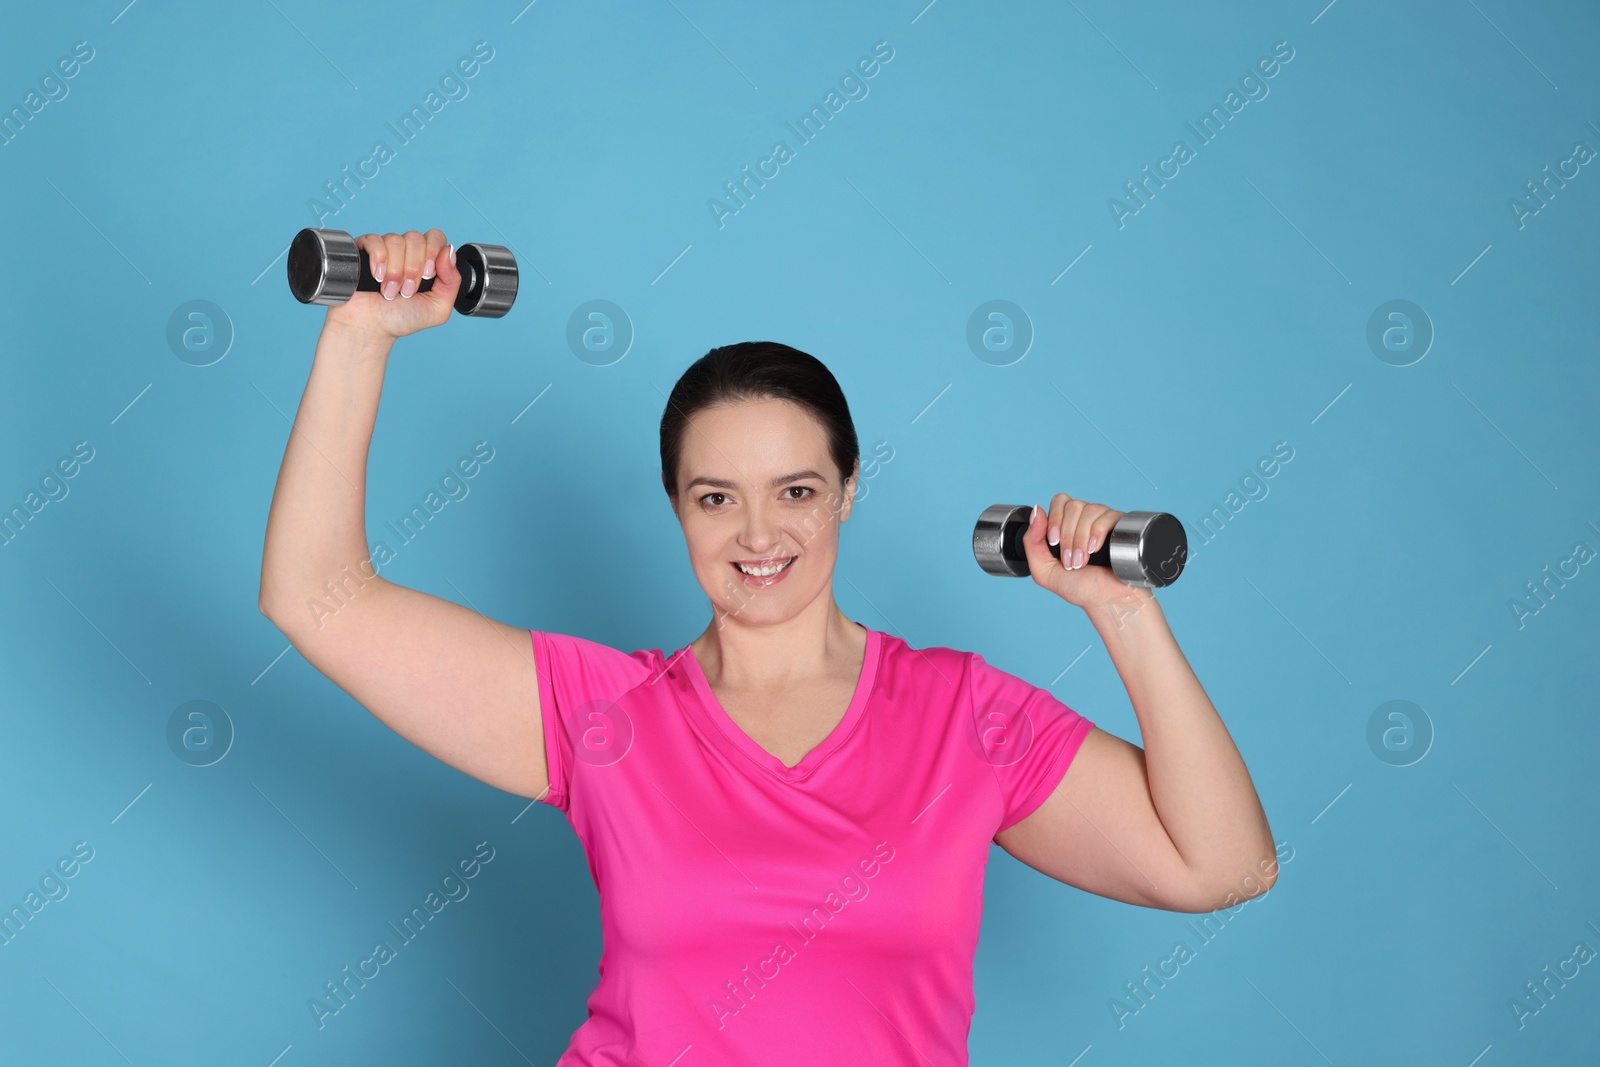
(850,485)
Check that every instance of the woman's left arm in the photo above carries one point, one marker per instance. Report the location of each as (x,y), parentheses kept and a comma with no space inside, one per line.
(1174,825)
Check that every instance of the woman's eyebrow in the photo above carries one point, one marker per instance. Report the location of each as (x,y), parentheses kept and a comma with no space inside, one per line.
(721,483)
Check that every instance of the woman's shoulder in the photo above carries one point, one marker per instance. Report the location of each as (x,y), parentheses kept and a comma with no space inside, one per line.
(968,668)
(577,657)
(901,647)
(933,663)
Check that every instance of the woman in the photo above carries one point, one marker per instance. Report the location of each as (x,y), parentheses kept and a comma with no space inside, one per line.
(788,819)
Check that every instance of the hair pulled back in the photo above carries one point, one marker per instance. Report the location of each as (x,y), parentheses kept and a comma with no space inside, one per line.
(757,370)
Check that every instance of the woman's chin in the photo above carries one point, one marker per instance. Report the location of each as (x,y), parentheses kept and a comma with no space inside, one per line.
(755,608)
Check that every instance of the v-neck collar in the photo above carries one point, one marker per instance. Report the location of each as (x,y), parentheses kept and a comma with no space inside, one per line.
(726,728)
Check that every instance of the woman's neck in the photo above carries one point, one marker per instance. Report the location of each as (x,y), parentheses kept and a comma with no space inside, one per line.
(819,642)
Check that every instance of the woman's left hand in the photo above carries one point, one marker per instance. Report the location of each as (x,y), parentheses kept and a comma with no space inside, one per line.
(1083,528)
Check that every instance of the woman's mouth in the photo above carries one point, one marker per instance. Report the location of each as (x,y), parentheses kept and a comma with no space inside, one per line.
(758,574)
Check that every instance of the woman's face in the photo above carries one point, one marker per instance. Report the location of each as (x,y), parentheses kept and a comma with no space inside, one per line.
(757,486)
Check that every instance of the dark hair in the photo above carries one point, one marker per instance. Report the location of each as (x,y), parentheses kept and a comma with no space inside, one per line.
(757,370)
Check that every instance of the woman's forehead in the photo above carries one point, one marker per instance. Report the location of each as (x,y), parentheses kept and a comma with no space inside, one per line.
(756,442)
(771,432)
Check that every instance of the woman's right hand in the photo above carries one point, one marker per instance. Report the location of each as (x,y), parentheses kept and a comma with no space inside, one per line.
(399,262)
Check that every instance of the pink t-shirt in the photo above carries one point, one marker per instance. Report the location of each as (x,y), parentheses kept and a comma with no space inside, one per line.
(826,913)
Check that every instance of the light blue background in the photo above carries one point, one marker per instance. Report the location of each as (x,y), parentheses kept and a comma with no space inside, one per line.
(1229,314)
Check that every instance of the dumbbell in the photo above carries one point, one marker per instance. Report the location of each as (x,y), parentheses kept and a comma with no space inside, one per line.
(1145,548)
(326,267)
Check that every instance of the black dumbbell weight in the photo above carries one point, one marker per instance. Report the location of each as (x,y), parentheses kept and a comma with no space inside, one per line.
(1145,548)
(326,267)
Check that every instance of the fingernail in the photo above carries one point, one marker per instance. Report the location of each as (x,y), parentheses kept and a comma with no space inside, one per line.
(377,272)
(1077,557)
(452,255)
(390,288)
(408,288)
(1055,533)
(1094,542)
(427,269)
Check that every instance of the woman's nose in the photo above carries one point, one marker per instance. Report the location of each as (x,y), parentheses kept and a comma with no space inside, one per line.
(761,533)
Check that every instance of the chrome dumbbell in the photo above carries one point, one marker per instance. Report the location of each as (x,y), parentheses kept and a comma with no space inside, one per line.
(326,267)
(1145,548)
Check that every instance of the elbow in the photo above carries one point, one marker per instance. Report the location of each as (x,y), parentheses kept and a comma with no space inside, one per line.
(266,600)
(270,603)
(1217,895)
(272,593)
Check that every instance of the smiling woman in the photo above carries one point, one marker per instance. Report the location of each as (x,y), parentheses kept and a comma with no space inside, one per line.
(759,437)
(720,790)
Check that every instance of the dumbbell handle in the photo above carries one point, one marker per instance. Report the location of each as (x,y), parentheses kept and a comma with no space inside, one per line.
(370,284)
(1144,548)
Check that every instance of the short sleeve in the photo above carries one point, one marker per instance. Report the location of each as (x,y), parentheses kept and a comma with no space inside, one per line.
(578,680)
(1026,734)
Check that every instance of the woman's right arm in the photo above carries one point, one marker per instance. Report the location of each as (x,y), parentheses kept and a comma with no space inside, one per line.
(456,684)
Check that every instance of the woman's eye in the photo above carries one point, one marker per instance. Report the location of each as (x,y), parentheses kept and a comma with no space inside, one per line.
(717,499)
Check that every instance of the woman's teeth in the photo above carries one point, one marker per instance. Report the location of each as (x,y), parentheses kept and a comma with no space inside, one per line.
(764,572)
